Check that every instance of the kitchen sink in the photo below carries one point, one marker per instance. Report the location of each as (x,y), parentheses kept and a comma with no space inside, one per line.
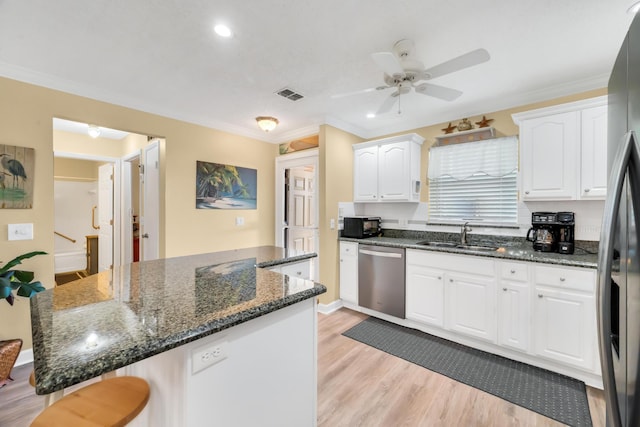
(458,246)
(438,244)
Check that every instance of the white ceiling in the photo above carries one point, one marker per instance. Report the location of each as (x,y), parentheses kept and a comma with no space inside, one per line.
(162,56)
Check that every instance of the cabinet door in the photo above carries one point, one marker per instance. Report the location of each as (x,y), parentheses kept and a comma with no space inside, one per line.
(365,174)
(548,156)
(564,324)
(425,295)
(593,180)
(513,315)
(471,305)
(349,272)
(394,181)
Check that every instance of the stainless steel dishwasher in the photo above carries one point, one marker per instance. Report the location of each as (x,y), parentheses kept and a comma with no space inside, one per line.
(381,279)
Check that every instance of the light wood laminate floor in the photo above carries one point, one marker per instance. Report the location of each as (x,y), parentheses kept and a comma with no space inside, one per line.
(359,386)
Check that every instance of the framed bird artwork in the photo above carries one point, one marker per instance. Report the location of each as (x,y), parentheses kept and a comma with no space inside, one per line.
(17,166)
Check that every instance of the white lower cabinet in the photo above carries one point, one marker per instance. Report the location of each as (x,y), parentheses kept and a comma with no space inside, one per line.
(425,295)
(300,269)
(514,315)
(471,305)
(529,311)
(565,316)
(349,272)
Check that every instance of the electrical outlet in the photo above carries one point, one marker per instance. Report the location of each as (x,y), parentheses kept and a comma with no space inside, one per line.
(207,355)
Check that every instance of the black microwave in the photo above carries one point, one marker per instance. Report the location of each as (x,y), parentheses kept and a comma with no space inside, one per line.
(359,227)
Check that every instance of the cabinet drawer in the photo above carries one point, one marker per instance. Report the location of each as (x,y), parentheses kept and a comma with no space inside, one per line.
(514,271)
(297,269)
(348,249)
(455,262)
(565,277)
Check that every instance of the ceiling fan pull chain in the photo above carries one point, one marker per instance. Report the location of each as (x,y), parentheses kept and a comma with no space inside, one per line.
(399,100)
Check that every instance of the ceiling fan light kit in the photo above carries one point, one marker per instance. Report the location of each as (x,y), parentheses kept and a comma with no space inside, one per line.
(267,123)
(93,131)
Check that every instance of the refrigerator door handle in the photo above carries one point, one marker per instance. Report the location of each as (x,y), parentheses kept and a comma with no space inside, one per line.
(623,160)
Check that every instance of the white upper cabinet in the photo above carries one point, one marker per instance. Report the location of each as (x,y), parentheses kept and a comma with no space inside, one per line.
(387,170)
(563,151)
(594,153)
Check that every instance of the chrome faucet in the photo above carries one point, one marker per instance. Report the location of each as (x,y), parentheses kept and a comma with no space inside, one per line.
(463,233)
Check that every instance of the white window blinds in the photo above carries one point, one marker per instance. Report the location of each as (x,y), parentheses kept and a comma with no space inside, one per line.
(475,181)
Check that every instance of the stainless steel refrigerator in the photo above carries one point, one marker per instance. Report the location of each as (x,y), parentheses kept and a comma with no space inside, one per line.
(619,256)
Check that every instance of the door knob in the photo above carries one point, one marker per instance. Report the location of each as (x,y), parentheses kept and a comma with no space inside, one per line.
(145,236)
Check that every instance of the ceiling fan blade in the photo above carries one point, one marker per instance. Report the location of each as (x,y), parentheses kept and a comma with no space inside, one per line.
(441,92)
(388,103)
(358,92)
(467,60)
(388,63)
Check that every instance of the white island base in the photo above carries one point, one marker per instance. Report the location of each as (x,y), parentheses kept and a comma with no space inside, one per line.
(268,378)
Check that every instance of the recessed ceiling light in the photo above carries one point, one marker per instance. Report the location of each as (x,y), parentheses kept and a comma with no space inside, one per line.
(370,116)
(222,30)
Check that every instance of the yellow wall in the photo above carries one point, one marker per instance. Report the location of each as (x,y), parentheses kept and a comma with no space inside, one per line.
(75,169)
(336,178)
(26,113)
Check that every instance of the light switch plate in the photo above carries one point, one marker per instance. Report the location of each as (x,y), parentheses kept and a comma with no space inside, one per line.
(239,220)
(20,231)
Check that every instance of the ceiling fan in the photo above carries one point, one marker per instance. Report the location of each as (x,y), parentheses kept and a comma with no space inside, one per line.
(403,72)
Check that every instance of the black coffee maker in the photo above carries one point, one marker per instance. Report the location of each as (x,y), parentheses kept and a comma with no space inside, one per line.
(544,231)
(566,232)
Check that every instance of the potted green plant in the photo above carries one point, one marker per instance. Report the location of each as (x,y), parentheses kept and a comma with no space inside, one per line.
(18,280)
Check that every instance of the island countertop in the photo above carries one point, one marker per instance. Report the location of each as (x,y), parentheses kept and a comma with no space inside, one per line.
(110,320)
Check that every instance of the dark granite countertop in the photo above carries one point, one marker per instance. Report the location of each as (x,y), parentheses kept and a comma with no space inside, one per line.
(103,322)
(514,248)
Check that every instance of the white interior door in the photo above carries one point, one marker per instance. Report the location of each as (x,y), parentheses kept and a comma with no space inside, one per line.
(105,217)
(302,209)
(127,208)
(297,203)
(150,210)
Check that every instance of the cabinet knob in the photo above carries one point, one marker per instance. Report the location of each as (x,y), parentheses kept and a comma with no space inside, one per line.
(504,289)
(586,190)
(374,196)
(439,277)
(451,280)
(526,192)
(298,273)
(341,260)
(562,279)
(513,272)
(540,295)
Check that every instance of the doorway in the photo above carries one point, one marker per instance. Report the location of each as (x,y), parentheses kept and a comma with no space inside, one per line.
(297,203)
(107,205)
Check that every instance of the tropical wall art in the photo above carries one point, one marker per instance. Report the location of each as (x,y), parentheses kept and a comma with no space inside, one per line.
(221,186)
(17,165)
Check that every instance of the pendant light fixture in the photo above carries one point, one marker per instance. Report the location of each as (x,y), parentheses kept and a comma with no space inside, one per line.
(267,123)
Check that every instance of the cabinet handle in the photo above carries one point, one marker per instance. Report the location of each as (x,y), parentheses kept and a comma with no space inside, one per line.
(526,192)
(298,273)
(586,190)
(562,279)
(504,289)
(540,295)
(513,272)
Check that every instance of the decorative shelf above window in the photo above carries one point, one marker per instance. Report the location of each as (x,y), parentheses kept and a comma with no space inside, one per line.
(466,136)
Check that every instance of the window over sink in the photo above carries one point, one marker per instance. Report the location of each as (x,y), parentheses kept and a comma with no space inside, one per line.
(474,181)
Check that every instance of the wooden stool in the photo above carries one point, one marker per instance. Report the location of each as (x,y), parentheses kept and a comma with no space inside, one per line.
(112,402)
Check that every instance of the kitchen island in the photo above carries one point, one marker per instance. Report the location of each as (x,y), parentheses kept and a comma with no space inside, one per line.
(214,334)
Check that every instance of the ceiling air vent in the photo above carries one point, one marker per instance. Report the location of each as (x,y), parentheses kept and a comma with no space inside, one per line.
(289,94)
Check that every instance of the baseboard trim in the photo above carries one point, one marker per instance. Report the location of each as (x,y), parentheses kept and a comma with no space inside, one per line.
(330,308)
(26,356)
